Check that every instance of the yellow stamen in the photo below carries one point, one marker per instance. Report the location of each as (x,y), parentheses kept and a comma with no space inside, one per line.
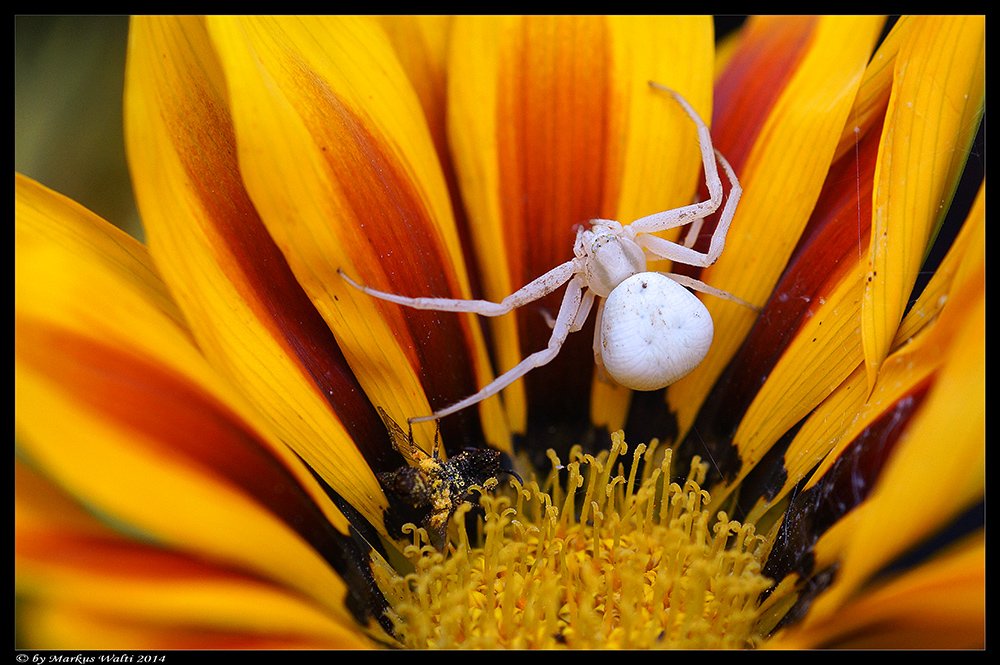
(637,563)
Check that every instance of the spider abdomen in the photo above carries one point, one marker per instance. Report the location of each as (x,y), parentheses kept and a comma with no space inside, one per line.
(653,332)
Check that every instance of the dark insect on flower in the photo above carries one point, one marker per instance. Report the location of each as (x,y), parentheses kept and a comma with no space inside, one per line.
(428,489)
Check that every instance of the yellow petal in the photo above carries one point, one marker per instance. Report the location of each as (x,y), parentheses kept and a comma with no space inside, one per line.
(965,256)
(815,363)
(421,43)
(782,179)
(247,311)
(873,95)
(67,626)
(938,605)
(938,96)
(69,566)
(121,583)
(808,341)
(938,469)
(39,506)
(826,346)
(850,410)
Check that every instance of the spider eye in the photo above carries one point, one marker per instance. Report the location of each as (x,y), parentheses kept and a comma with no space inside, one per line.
(653,332)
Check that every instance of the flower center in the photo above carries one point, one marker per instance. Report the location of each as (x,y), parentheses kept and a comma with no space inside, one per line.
(637,563)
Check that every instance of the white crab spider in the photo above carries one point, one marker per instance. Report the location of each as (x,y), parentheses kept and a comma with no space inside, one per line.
(651,331)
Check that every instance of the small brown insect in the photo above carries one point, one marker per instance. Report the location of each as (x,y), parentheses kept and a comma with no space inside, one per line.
(428,489)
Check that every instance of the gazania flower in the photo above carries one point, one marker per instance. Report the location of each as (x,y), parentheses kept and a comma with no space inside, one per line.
(202,459)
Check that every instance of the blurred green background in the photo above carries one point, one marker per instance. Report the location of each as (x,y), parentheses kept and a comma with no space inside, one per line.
(68,80)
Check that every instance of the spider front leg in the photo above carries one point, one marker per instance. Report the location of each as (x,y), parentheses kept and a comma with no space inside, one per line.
(569,312)
(679,253)
(687,214)
(532,291)
(581,316)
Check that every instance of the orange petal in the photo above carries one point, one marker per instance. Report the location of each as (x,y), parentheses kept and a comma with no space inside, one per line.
(337,157)
(553,123)
(248,312)
(422,43)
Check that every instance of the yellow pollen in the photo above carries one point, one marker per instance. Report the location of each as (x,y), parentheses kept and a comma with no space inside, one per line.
(602,562)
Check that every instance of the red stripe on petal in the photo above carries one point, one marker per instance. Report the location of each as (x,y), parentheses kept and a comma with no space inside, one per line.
(554,133)
(835,239)
(200,601)
(121,557)
(842,488)
(181,421)
(208,153)
(770,49)
(393,220)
